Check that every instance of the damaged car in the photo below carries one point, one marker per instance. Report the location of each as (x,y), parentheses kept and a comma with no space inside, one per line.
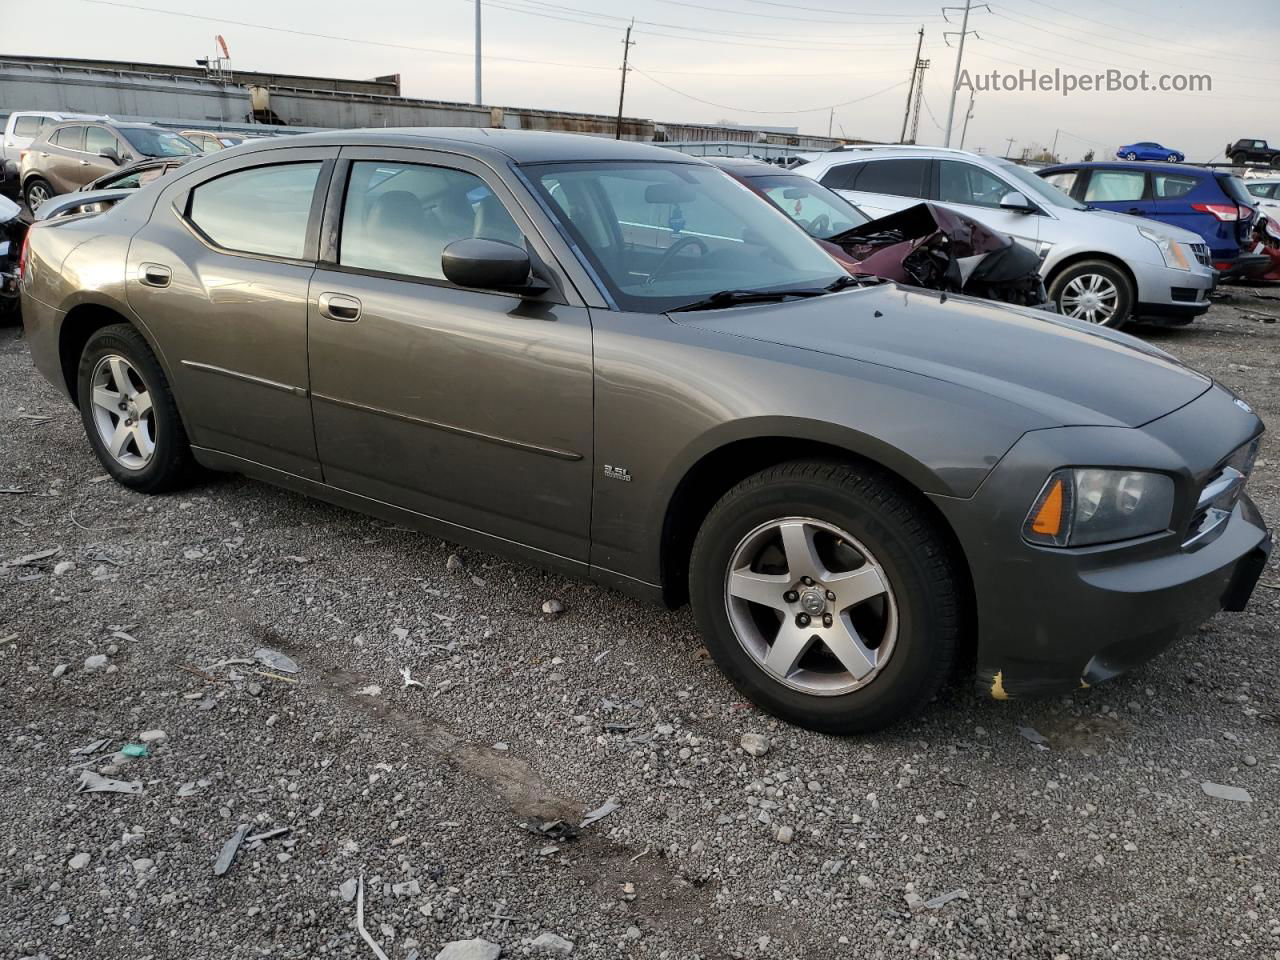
(97,195)
(13,230)
(924,246)
(615,362)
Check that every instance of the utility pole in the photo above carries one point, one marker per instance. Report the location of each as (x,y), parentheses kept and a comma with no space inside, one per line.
(831,120)
(1008,147)
(955,83)
(626,52)
(967,117)
(915,70)
(921,67)
(1054,151)
(479,100)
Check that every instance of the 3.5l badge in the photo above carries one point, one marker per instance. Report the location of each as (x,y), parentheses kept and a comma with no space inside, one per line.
(617,473)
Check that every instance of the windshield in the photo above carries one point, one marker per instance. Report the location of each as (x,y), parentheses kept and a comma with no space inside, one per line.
(822,212)
(1036,188)
(663,234)
(158,143)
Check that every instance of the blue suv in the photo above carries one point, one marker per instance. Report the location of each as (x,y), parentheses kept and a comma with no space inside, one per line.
(1214,204)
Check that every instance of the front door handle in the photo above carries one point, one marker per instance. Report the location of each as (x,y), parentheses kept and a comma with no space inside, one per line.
(155,275)
(84,163)
(338,306)
(1135,211)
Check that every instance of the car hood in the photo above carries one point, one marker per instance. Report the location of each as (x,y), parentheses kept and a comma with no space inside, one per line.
(1065,370)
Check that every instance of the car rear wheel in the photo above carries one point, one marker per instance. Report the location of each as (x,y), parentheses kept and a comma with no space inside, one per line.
(1173,158)
(826,596)
(1094,291)
(1131,155)
(1239,159)
(36,192)
(1275,161)
(129,413)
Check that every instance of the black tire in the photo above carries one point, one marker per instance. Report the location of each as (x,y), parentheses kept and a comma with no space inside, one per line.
(1118,278)
(884,515)
(36,183)
(1131,155)
(171,465)
(1275,161)
(1239,159)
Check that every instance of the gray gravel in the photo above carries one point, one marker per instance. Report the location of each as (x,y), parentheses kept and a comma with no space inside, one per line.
(459,796)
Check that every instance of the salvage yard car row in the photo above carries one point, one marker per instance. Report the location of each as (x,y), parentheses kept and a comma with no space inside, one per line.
(625,364)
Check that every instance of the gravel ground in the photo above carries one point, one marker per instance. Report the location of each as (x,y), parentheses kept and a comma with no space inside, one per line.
(1099,842)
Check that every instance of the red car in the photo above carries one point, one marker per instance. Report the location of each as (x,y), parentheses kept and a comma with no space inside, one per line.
(923,246)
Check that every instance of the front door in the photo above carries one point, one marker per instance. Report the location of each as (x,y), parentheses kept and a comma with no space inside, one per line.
(470,407)
(977,192)
(219,276)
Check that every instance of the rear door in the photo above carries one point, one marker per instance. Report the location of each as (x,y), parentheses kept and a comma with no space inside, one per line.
(1122,191)
(219,276)
(60,157)
(881,186)
(1172,203)
(468,406)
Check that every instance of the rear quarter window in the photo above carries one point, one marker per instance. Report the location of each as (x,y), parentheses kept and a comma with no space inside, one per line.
(1234,188)
(841,176)
(1171,186)
(27,126)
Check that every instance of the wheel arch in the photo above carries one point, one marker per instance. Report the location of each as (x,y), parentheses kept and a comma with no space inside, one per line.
(1069,261)
(80,323)
(719,469)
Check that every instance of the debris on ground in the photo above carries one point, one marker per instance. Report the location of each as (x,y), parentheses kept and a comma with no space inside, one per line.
(377,950)
(135,750)
(372,690)
(1038,740)
(152,736)
(553,829)
(276,660)
(469,950)
(552,944)
(267,835)
(552,608)
(191,788)
(79,861)
(91,782)
(454,564)
(347,890)
(944,898)
(92,747)
(1223,792)
(228,852)
(31,559)
(756,744)
(785,834)
(599,813)
(96,662)
(408,679)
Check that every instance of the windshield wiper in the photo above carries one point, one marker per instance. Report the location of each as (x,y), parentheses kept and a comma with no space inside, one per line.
(733,298)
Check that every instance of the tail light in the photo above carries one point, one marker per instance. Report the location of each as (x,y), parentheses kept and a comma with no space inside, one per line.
(1226,212)
(24,254)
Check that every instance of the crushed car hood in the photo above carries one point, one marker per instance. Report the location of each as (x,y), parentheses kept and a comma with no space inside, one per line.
(1067,371)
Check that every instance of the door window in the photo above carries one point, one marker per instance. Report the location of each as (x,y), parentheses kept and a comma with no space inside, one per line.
(1064,180)
(1170,186)
(69,138)
(97,139)
(261,210)
(1263,190)
(399,217)
(897,178)
(1115,186)
(960,182)
(28,126)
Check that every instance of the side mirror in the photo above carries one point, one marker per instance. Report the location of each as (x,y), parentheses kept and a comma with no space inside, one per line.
(110,154)
(490,265)
(1016,202)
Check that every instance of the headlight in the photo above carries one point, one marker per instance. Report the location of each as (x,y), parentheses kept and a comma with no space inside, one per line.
(1083,506)
(1169,249)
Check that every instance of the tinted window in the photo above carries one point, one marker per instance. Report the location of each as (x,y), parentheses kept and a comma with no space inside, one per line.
(97,139)
(960,182)
(1064,181)
(841,177)
(1115,186)
(158,143)
(399,217)
(1169,186)
(897,178)
(72,138)
(1234,188)
(27,126)
(1264,190)
(261,210)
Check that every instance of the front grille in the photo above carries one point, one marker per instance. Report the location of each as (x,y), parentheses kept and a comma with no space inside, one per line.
(1201,250)
(1218,497)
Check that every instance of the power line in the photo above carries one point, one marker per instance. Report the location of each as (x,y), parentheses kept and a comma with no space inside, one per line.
(847,13)
(792,18)
(724,106)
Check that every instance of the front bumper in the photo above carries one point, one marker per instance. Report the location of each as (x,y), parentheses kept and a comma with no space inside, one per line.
(1172,296)
(1050,620)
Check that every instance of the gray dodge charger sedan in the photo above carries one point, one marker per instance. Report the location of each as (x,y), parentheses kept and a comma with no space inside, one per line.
(615,361)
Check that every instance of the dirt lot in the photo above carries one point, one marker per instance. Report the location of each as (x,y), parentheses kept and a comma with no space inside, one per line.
(1102,845)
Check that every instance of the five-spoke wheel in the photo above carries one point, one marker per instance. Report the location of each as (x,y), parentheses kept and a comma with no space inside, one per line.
(122,412)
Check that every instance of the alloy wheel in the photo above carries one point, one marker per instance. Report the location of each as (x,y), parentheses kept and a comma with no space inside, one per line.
(37,194)
(1090,297)
(122,412)
(811,606)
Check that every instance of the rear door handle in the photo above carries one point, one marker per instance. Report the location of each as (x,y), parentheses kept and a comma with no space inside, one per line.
(155,275)
(1135,211)
(338,306)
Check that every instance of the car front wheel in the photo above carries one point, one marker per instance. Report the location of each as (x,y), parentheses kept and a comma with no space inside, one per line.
(1131,155)
(129,413)
(1094,291)
(826,596)
(36,192)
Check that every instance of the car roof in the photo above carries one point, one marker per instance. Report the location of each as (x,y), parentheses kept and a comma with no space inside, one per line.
(1160,166)
(748,166)
(519,146)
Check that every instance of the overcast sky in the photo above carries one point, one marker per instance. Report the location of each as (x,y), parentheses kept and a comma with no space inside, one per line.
(768,62)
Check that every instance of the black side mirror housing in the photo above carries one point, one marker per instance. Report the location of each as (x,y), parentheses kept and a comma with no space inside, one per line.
(110,154)
(490,265)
